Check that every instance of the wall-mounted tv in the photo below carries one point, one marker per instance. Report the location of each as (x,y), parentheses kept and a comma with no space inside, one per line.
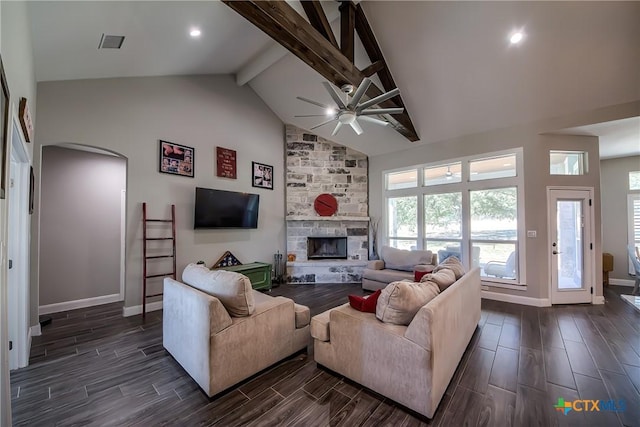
(225,209)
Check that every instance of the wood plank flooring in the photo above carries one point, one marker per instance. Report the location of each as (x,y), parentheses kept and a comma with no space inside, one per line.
(94,367)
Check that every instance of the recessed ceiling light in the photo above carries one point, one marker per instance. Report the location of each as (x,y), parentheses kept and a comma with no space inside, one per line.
(195,32)
(516,37)
(330,111)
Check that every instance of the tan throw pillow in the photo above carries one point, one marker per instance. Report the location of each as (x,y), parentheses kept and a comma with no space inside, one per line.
(232,289)
(400,259)
(443,278)
(452,263)
(400,301)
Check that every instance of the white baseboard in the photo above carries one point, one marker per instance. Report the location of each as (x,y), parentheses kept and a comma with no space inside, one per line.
(81,303)
(35,331)
(517,299)
(137,309)
(622,282)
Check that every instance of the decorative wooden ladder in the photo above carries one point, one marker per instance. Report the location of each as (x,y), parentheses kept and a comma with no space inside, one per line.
(145,239)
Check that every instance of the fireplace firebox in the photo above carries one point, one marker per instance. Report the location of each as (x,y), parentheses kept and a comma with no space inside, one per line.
(326,248)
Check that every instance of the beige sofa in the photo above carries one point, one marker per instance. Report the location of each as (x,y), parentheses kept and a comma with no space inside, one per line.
(394,265)
(219,350)
(412,364)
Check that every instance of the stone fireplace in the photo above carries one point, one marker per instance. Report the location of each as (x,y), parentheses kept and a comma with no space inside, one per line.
(326,248)
(316,166)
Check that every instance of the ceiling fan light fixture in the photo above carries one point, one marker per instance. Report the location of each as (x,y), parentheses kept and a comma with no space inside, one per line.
(330,111)
(347,118)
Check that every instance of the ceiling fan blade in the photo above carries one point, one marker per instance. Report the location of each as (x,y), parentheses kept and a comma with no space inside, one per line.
(356,127)
(362,89)
(378,99)
(375,111)
(373,120)
(334,94)
(312,115)
(322,124)
(313,102)
(335,131)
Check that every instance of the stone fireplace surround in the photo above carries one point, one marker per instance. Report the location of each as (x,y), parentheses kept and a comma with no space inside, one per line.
(316,166)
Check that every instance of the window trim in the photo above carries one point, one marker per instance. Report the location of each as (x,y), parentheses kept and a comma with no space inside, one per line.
(464,187)
(631,197)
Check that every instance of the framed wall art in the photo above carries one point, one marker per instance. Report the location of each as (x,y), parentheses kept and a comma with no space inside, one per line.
(262,175)
(176,159)
(4,128)
(226,163)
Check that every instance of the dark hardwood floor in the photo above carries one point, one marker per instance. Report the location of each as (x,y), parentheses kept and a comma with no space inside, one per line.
(93,367)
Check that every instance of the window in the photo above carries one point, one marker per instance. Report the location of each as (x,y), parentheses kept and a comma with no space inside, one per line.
(403,222)
(494,231)
(491,168)
(567,162)
(469,208)
(445,174)
(404,179)
(634,180)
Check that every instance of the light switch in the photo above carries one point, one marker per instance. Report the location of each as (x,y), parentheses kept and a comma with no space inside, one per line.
(532,233)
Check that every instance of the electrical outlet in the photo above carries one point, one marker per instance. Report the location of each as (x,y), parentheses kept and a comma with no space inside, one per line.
(532,233)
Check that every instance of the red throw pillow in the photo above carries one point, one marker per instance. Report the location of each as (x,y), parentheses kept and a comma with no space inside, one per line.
(417,275)
(365,304)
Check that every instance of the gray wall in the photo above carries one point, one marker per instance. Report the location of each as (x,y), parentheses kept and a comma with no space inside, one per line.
(129,115)
(614,176)
(80,224)
(536,176)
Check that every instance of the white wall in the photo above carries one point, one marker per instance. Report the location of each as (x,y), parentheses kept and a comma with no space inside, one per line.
(80,224)
(614,177)
(17,57)
(130,115)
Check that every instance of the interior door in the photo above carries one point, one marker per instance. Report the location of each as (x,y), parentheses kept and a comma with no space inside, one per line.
(570,246)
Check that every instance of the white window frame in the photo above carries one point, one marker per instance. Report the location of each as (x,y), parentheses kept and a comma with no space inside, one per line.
(464,187)
(631,197)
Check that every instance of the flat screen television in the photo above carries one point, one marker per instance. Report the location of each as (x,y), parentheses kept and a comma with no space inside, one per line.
(225,209)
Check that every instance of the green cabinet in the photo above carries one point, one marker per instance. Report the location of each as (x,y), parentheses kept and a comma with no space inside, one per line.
(259,273)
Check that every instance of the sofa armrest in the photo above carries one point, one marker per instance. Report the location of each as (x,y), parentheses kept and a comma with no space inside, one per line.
(377,264)
(189,318)
(424,267)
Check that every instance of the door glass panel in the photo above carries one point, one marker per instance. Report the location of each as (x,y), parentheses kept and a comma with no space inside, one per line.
(569,244)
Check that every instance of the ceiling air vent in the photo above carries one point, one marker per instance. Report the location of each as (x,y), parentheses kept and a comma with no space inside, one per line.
(110,42)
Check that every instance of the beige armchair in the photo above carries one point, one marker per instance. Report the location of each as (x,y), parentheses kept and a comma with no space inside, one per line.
(219,350)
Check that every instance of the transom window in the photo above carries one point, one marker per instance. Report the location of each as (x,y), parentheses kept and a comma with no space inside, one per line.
(470,208)
(567,162)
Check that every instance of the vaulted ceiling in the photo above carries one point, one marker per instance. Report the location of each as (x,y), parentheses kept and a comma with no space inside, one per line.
(456,70)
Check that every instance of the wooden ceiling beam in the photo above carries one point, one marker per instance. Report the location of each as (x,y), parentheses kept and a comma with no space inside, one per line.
(373,68)
(347,28)
(318,19)
(282,23)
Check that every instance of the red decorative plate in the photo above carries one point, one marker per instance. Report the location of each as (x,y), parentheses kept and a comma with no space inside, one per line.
(325,204)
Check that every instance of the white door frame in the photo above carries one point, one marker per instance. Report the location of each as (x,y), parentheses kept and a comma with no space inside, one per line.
(589,241)
(18,240)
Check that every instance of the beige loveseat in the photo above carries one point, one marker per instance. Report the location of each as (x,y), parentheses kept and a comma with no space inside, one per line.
(412,364)
(396,264)
(223,340)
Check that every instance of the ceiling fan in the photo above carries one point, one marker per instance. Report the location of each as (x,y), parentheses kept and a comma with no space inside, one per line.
(348,112)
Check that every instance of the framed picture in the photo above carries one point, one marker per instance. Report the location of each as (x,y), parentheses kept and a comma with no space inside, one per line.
(176,159)
(226,163)
(4,128)
(262,175)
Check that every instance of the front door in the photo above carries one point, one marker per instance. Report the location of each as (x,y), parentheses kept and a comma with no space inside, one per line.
(570,245)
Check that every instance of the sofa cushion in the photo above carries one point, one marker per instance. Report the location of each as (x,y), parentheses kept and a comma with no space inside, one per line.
(400,301)
(366,304)
(303,315)
(400,259)
(320,326)
(386,276)
(454,264)
(232,289)
(443,278)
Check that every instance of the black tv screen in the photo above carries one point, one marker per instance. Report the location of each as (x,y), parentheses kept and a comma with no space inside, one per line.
(225,209)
